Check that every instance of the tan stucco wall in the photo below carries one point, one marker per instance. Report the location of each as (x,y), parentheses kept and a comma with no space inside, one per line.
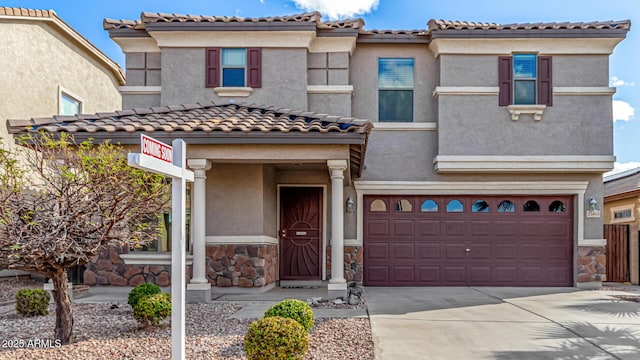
(36,60)
(634,227)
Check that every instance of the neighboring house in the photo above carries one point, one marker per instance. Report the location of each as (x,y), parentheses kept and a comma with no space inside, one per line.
(486,141)
(622,206)
(49,68)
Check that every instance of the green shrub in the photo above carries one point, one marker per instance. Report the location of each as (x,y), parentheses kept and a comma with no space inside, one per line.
(294,309)
(152,309)
(141,291)
(32,302)
(273,338)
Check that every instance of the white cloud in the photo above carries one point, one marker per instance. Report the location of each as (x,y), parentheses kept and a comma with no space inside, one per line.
(620,167)
(261,1)
(335,9)
(622,111)
(615,81)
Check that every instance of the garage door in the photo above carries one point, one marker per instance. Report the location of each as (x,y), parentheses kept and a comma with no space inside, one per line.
(468,240)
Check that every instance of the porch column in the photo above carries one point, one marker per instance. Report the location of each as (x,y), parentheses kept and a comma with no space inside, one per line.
(337,284)
(199,289)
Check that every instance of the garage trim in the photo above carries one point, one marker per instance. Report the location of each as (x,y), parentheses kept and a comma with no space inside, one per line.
(472,188)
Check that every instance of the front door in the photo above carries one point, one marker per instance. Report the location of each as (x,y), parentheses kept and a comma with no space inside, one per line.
(300,233)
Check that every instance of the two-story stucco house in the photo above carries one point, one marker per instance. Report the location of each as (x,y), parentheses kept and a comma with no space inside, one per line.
(47,67)
(481,144)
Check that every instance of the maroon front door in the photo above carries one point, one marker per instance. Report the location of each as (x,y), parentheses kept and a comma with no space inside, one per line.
(300,233)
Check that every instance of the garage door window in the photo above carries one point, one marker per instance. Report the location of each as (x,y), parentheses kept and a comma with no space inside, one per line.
(557,207)
(480,206)
(506,206)
(531,205)
(429,206)
(404,205)
(378,205)
(455,206)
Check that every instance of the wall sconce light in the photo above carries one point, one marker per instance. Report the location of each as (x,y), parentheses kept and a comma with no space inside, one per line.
(351,205)
(593,204)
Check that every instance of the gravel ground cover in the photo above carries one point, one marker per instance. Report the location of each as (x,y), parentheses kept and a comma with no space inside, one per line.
(108,331)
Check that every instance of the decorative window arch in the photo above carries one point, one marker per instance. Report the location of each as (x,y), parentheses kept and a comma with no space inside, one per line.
(455,206)
(531,206)
(557,207)
(506,206)
(429,206)
(404,205)
(480,206)
(378,205)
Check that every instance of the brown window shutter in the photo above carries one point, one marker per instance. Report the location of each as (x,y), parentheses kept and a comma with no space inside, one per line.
(212,67)
(254,67)
(545,95)
(505,80)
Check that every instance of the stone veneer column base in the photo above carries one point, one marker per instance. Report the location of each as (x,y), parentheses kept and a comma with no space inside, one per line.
(239,265)
(592,269)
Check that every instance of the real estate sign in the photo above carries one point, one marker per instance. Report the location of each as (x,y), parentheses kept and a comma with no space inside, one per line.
(158,157)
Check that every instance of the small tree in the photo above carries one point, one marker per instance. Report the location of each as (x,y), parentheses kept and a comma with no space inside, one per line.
(60,202)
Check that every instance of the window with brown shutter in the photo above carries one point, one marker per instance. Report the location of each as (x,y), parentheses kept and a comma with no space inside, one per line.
(524,79)
(233,67)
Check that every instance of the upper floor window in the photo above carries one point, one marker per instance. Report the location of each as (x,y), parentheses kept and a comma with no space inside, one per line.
(69,105)
(524,79)
(395,89)
(624,214)
(233,67)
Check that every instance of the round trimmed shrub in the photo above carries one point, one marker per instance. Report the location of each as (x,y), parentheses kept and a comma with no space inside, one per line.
(141,291)
(152,309)
(297,310)
(274,338)
(32,302)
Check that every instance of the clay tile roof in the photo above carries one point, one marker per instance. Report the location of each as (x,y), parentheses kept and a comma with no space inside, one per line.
(8,11)
(110,24)
(196,117)
(148,17)
(621,183)
(394,32)
(343,24)
(440,25)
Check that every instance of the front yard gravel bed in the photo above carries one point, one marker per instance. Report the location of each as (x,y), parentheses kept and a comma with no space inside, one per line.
(108,331)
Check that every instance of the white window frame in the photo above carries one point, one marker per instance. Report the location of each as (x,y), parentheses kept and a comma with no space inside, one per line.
(63,91)
(413,91)
(514,80)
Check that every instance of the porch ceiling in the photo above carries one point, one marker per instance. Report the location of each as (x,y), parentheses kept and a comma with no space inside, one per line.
(225,124)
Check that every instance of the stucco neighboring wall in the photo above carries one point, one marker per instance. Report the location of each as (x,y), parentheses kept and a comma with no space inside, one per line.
(634,227)
(283,78)
(364,78)
(36,61)
(270,204)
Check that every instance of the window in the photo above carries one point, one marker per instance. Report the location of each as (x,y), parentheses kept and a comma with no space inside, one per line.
(69,105)
(395,90)
(531,205)
(455,206)
(506,206)
(524,79)
(404,205)
(429,206)
(624,214)
(233,67)
(377,205)
(557,207)
(480,206)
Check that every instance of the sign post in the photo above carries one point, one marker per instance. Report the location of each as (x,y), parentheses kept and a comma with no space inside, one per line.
(158,157)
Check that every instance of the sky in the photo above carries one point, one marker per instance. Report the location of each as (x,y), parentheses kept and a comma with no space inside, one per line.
(624,68)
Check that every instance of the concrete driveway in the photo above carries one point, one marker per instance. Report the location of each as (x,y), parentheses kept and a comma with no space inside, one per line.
(502,323)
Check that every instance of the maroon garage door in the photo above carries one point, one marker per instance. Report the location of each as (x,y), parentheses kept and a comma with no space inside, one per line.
(468,240)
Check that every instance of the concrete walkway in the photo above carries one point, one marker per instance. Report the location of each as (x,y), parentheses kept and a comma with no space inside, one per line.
(503,323)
